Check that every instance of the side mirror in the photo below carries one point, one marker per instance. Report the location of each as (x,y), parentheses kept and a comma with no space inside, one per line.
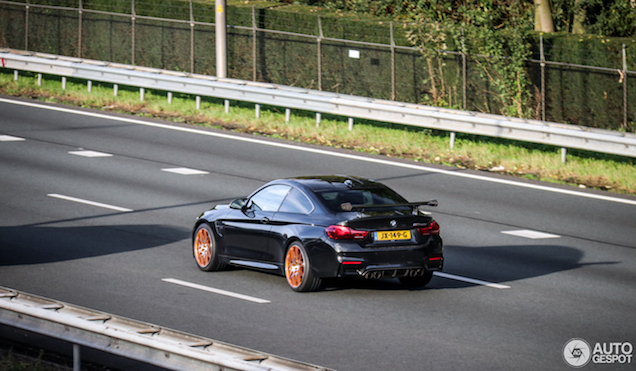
(237,204)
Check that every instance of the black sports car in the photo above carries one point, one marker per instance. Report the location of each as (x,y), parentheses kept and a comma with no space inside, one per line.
(314,227)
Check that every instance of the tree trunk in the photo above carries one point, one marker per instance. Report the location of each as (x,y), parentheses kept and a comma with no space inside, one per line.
(543,16)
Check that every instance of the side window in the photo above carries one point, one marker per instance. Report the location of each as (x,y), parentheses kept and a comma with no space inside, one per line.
(296,202)
(268,199)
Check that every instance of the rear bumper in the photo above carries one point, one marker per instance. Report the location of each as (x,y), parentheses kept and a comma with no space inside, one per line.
(377,271)
(352,260)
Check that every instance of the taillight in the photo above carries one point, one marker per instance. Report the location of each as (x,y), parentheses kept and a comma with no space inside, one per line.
(341,232)
(431,229)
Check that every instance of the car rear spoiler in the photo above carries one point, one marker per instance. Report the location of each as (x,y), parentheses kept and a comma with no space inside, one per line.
(347,206)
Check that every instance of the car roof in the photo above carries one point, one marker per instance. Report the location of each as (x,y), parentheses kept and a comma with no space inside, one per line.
(332,182)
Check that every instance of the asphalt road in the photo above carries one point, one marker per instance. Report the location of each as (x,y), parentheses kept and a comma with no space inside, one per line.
(105,229)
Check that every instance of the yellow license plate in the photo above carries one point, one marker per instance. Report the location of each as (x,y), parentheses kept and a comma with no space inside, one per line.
(394,235)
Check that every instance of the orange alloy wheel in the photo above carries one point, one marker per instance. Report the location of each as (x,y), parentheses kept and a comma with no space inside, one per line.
(202,251)
(294,266)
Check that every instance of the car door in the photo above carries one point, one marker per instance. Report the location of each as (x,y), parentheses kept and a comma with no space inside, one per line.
(246,232)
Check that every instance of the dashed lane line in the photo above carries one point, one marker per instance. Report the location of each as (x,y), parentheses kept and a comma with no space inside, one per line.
(470,280)
(534,235)
(90,154)
(216,291)
(87,202)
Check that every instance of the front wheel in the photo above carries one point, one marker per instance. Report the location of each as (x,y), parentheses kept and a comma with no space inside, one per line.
(204,249)
(298,269)
(419,281)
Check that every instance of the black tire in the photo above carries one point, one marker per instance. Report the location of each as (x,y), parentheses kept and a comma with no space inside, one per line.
(419,281)
(298,272)
(204,249)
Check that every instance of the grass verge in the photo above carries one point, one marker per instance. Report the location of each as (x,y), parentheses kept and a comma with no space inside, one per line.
(525,160)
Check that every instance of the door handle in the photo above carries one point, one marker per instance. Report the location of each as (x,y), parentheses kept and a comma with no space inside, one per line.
(264,220)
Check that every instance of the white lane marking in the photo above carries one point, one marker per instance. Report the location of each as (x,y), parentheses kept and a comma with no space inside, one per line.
(216,291)
(185,171)
(87,202)
(331,153)
(531,234)
(470,280)
(90,154)
(9,138)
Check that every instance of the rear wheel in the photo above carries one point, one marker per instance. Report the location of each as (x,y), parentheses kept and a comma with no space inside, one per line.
(298,269)
(204,249)
(419,281)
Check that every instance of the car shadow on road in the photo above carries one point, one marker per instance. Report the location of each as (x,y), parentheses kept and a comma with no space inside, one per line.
(40,244)
(509,263)
(492,264)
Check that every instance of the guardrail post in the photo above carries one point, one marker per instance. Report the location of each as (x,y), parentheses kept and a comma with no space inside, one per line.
(257,108)
(169,97)
(89,84)
(39,79)
(350,123)
(115,89)
(77,363)
(452,140)
(15,75)
(198,102)
(142,91)
(64,83)
(287,114)
(564,154)
(227,105)
(318,117)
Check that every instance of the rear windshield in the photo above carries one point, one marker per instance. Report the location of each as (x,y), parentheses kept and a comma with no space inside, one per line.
(367,197)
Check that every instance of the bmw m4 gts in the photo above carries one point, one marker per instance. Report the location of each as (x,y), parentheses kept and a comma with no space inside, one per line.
(315,227)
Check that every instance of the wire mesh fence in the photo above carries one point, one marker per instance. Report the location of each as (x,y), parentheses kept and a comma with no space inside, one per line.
(587,83)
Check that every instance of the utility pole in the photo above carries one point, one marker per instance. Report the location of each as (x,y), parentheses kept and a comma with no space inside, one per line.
(221,39)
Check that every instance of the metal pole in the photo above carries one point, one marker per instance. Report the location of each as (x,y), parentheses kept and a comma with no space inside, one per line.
(79,32)
(26,26)
(392,64)
(253,43)
(191,39)
(542,81)
(624,88)
(133,31)
(464,68)
(319,40)
(221,39)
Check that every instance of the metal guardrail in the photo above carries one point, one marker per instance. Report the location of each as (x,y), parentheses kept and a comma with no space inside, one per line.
(132,339)
(560,135)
